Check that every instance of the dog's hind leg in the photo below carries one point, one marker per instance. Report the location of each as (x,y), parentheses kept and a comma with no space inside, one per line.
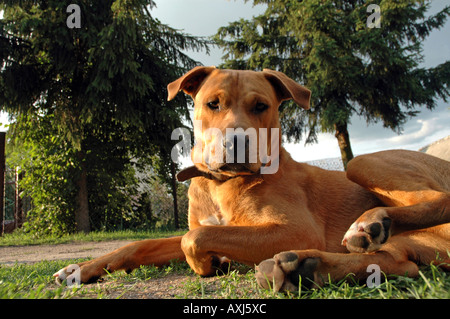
(310,268)
(415,188)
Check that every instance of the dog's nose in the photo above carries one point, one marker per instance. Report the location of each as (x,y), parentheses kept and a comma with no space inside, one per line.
(237,147)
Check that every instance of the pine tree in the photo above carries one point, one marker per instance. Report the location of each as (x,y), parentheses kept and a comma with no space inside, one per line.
(351,65)
(97,72)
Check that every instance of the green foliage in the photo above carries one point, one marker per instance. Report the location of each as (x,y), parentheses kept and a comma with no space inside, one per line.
(350,68)
(48,162)
(85,102)
(157,195)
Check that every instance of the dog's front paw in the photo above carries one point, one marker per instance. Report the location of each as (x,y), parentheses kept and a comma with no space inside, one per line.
(71,274)
(368,232)
(75,274)
(284,270)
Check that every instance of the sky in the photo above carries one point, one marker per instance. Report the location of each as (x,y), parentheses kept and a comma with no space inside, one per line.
(204,17)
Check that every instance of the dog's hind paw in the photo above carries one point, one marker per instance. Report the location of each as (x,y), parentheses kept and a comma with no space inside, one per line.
(368,232)
(284,272)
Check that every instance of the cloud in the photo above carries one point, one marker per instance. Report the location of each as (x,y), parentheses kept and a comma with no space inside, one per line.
(427,127)
(417,133)
(327,147)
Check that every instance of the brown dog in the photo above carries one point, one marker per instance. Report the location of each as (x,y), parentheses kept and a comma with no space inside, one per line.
(249,201)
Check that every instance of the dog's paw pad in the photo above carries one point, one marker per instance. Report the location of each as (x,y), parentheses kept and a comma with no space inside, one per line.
(284,270)
(368,233)
(269,275)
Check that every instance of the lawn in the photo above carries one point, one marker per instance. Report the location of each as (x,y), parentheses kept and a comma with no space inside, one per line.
(31,281)
(28,239)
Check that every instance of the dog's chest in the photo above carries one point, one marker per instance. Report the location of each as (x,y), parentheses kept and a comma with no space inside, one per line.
(214,218)
(221,204)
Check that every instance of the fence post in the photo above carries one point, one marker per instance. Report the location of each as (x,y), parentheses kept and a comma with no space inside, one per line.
(18,209)
(2,180)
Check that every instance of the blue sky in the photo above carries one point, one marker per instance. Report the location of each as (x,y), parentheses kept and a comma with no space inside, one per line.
(204,17)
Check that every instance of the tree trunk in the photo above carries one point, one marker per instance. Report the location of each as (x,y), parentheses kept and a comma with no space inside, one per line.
(174,194)
(82,210)
(344,143)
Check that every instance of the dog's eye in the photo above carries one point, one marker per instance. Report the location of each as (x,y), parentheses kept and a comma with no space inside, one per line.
(214,105)
(260,107)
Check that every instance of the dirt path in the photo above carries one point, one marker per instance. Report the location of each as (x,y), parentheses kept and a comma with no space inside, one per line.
(35,253)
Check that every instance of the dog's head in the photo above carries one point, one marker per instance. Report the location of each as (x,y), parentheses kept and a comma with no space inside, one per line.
(236,123)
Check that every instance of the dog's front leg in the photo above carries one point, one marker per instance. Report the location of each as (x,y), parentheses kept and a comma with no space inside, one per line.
(204,246)
(156,252)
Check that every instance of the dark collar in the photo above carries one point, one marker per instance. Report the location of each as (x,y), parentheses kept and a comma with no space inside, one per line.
(192,171)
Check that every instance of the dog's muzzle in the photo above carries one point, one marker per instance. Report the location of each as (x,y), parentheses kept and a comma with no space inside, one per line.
(238,154)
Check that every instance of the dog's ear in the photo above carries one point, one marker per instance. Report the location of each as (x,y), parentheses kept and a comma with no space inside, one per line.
(288,88)
(189,82)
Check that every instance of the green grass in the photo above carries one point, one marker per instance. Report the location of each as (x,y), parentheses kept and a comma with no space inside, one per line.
(433,283)
(34,281)
(18,238)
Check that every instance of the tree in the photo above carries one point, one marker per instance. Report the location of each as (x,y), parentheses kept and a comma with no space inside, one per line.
(350,66)
(100,87)
(165,207)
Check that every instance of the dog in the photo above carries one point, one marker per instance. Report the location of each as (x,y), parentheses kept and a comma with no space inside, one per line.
(390,208)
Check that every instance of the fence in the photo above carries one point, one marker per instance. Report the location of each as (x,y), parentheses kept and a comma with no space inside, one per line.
(11,204)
